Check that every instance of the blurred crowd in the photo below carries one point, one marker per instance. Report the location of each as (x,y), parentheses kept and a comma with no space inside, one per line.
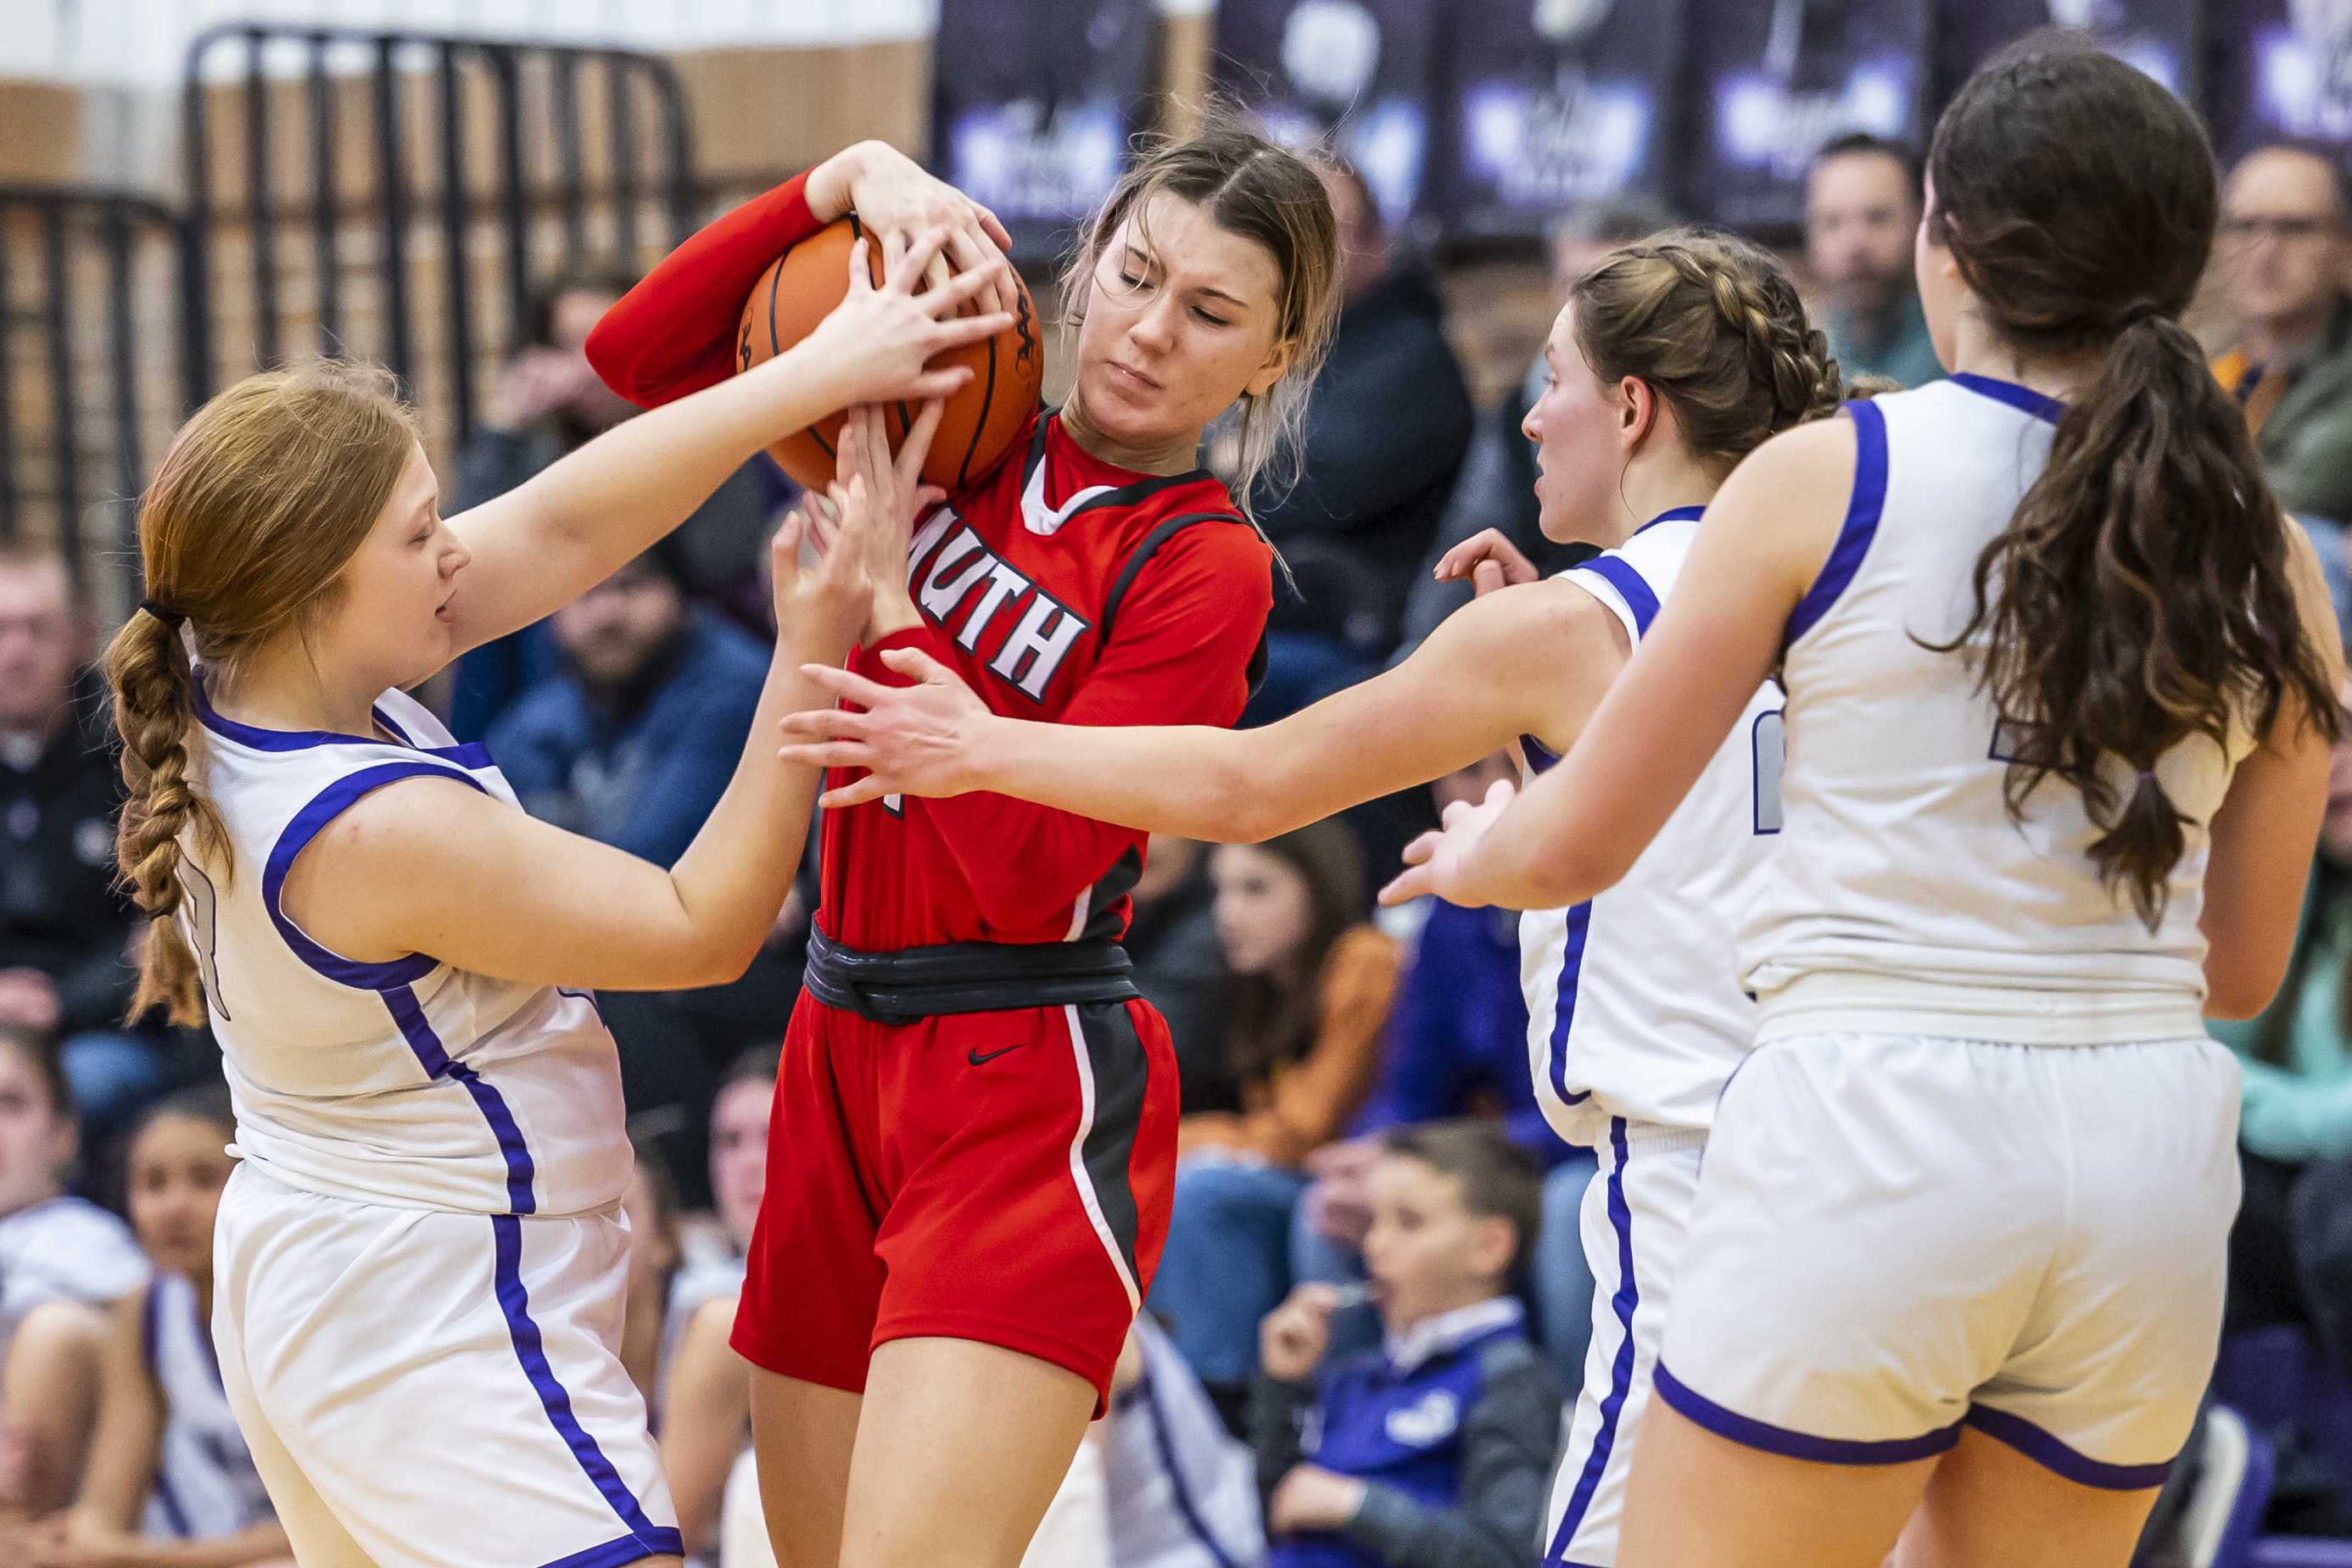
(1356,1098)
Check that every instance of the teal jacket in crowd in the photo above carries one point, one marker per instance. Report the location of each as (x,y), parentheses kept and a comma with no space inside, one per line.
(2297,1056)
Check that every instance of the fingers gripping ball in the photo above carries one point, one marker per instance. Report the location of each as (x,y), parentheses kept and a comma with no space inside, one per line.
(801,288)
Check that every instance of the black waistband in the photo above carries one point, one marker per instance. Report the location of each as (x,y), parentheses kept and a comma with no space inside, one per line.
(965,977)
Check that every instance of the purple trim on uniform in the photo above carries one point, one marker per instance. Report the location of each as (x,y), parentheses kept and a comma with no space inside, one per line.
(2025,400)
(2055,1456)
(1177,1488)
(438,1063)
(264,740)
(324,808)
(173,1514)
(1563,1005)
(473,754)
(627,1549)
(1790,1444)
(1632,587)
(1861,525)
(1673,514)
(644,1536)
(149,1311)
(1540,755)
(1626,1301)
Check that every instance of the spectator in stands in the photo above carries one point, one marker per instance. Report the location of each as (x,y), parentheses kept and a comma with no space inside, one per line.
(168,1467)
(1497,485)
(1306,993)
(1183,1492)
(548,401)
(1172,942)
(64,926)
(1386,428)
(53,1247)
(2286,242)
(1435,1450)
(1862,211)
(655,1258)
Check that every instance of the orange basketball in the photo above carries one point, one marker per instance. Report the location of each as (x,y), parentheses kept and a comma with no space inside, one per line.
(801,288)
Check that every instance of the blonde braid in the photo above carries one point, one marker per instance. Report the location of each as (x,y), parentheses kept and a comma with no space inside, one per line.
(155,709)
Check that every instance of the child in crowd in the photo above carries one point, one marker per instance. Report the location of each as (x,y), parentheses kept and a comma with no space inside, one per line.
(1434,1450)
(169,1483)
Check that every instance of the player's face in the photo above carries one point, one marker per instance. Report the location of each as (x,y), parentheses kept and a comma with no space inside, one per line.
(35,1143)
(1579,457)
(1181,321)
(178,1167)
(1426,1254)
(392,620)
(1263,908)
(739,1154)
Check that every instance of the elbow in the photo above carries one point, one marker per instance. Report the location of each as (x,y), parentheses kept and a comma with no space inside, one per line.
(2236,992)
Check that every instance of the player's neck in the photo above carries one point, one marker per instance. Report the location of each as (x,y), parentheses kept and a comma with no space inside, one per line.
(1656,484)
(1978,349)
(1177,453)
(279,686)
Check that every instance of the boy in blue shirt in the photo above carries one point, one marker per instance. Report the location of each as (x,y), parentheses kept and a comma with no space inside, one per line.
(1433,1450)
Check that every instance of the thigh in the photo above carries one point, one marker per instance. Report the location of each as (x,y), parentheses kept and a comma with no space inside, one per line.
(803,1433)
(961,1447)
(1988,1503)
(1696,1497)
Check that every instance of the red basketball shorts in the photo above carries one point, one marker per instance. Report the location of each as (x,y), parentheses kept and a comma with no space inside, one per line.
(999,1176)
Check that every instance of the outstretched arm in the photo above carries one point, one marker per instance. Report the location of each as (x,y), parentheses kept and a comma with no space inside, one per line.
(1525,660)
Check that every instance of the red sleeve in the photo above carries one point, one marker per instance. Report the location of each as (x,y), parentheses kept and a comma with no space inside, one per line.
(675,332)
(1179,654)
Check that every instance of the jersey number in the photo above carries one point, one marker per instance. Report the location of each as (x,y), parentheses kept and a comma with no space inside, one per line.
(199,911)
(1768,748)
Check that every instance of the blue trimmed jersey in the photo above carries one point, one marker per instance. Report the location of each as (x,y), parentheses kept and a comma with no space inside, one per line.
(1900,895)
(1633,1005)
(205,1485)
(413,1084)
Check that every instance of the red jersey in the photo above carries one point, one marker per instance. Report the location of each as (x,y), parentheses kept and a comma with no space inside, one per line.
(1058,587)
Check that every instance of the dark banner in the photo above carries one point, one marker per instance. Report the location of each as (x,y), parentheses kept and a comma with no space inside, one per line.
(2284,71)
(1773,79)
(2159,37)
(1033,102)
(1356,75)
(1552,103)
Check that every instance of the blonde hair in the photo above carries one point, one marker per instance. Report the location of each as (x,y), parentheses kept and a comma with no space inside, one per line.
(264,496)
(1253,188)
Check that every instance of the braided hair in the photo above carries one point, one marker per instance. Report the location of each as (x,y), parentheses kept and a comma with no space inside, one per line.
(1716,327)
(264,495)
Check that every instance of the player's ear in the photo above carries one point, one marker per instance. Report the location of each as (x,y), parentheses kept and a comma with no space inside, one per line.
(1637,411)
(1277,366)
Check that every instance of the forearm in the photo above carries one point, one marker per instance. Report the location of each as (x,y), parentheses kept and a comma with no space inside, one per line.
(98,1544)
(1410,1534)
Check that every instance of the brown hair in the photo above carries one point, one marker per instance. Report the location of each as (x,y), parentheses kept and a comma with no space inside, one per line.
(2141,593)
(1270,1018)
(1716,327)
(1499,1179)
(208,1104)
(40,1052)
(1254,189)
(262,497)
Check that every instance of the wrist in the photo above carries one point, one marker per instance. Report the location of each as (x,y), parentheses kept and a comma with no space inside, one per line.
(827,191)
(892,613)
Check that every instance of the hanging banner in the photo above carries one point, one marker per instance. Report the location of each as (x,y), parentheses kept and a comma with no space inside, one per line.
(2284,73)
(1354,75)
(2159,37)
(1033,103)
(1552,103)
(1775,79)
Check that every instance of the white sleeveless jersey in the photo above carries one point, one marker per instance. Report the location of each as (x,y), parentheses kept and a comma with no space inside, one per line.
(205,1485)
(1901,896)
(410,1083)
(1634,1004)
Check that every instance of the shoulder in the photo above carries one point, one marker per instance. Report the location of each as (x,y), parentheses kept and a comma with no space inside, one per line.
(386,823)
(1512,1376)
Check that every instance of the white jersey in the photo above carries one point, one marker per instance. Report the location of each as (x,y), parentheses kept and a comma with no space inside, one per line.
(1901,896)
(64,1250)
(1633,1005)
(410,1083)
(205,1485)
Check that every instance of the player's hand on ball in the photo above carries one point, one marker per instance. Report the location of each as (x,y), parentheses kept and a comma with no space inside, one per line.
(1488,561)
(1312,1498)
(914,741)
(893,195)
(1436,862)
(875,343)
(1292,1339)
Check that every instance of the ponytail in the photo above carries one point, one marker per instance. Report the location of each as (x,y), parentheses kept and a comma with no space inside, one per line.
(155,709)
(2142,593)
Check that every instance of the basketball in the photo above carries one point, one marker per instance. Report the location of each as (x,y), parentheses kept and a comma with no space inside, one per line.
(802,286)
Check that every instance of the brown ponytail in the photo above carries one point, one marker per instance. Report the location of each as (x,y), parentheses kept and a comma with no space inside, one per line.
(1715,327)
(263,495)
(2141,594)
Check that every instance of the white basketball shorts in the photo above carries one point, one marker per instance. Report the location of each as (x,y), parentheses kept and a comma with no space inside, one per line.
(1897,1235)
(433,1390)
(1635,1214)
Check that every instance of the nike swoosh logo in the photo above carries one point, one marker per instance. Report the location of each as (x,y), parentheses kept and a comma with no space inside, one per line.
(979,1061)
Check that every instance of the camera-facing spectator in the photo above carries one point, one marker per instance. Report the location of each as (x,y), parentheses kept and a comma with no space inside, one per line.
(2285,246)
(1862,216)
(53,1247)
(65,926)
(549,401)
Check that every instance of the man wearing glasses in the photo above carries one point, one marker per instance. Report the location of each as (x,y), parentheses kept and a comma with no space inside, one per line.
(2286,248)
